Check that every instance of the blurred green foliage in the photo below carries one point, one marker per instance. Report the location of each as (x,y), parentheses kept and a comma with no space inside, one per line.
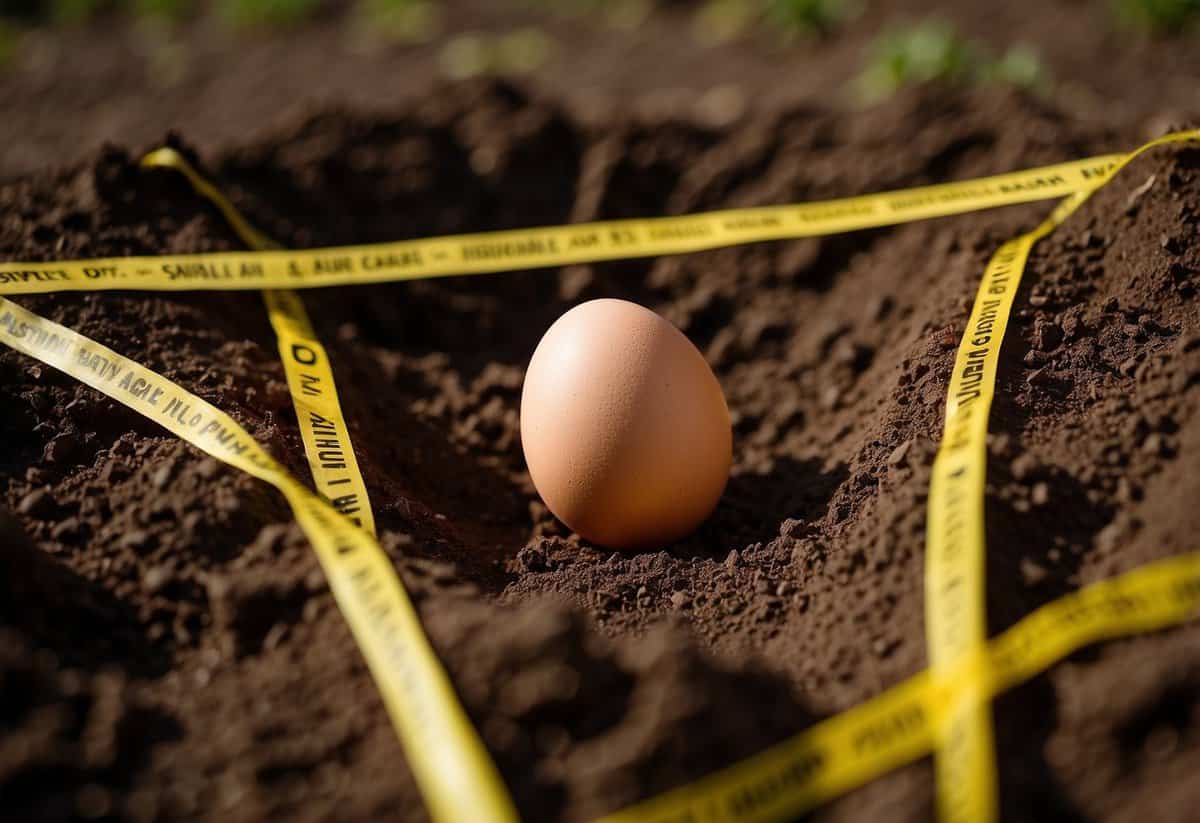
(719,20)
(932,51)
(515,52)
(10,38)
(809,17)
(1020,66)
(1158,16)
(565,7)
(617,13)
(73,12)
(265,13)
(398,21)
(164,9)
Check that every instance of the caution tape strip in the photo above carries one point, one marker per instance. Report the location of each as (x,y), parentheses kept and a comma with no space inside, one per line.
(451,766)
(955,606)
(323,427)
(447,758)
(549,246)
(902,724)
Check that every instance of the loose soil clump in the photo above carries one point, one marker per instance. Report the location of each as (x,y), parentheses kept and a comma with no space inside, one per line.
(168,647)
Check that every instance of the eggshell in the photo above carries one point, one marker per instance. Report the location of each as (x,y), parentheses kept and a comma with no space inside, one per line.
(624,426)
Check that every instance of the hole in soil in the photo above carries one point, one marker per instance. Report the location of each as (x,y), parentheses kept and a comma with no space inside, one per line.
(1034,552)
(1163,722)
(755,505)
(52,604)
(1024,720)
(252,612)
(139,730)
(41,792)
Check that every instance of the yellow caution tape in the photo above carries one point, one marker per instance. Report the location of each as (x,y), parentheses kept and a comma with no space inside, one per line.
(955,607)
(902,724)
(451,765)
(323,427)
(550,246)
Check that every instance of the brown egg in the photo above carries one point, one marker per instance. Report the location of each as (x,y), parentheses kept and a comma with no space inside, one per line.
(625,429)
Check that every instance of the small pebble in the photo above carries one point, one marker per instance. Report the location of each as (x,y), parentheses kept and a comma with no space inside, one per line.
(1035,359)
(208,468)
(1040,494)
(65,529)
(38,503)
(1110,537)
(136,539)
(1046,336)
(1127,492)
(1037,376)
(1023,466)
(1154,444)
(792,527)
(830,397)
(155,578)
(899,453)
(162,476)
(1032,572)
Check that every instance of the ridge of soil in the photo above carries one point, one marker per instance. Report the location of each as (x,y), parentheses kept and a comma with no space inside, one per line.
(167,644)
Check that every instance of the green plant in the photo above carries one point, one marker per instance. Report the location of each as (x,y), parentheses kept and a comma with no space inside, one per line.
(521,51)
(808,17)
(73,12)
(1158,16)
(466,55)
(720,20)
(567,8)
(10,37)
(516,52)
(399,21)
(627,14)
(1020,66)
(263,13)
(933,51)
(161,9)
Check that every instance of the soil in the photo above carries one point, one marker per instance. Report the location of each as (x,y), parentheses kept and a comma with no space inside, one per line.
(168,648)
(67,90)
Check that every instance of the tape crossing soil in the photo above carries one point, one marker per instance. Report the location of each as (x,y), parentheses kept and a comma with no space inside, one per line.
(167,644)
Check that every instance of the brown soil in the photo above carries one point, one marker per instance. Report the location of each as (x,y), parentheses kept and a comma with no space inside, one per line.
(66,91)
(168,648)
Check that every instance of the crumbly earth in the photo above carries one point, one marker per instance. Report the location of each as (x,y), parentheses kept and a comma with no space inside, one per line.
(168,648)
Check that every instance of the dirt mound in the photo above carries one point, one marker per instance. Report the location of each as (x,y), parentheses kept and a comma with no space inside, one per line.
(168,647)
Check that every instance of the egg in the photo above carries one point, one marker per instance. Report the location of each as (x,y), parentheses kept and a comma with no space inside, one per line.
(624,426)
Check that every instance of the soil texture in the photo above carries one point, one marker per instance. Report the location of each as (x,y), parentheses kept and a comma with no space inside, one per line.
(168,648)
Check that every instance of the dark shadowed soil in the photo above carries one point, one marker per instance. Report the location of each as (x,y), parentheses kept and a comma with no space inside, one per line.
(168,648)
